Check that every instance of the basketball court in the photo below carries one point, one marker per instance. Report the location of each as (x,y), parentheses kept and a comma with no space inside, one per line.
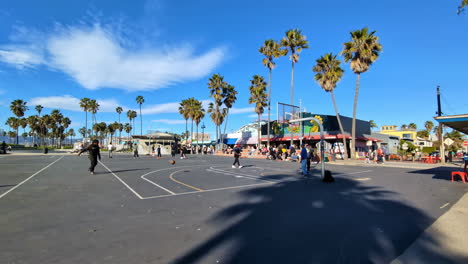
(201,210)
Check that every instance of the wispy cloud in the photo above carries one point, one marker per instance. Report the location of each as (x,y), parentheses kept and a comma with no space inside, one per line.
(169,121)
(68,102)
(241,110)
(165,108)
(96,57)
(256,116)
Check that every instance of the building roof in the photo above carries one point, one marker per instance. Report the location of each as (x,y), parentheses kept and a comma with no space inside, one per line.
(457,122)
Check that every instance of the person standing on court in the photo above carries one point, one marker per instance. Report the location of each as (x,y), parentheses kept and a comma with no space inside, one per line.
(237,154)
(109,149)
(135,151)
(158,150)
(93,154)
(173,150)
(304,160)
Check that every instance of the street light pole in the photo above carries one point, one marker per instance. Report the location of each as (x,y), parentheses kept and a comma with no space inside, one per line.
(203,131)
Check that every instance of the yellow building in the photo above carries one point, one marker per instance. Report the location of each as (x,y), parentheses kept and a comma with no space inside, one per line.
(403,134)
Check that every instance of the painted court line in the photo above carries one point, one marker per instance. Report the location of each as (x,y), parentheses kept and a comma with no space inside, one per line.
(444,205)
(171,176)
(124,183)
(211,190)
(240,174)
(19,184)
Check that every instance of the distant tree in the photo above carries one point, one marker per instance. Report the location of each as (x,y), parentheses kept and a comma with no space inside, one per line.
(93,108)
(361,52)
(119,111)
(404,127)
(82,131)
(412,126)
(462,6)
(140,100)
(259,98)
(84,104)
(39,109)
(428,125)
(422,134)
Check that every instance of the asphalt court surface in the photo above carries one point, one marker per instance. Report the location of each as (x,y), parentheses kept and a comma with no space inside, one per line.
(201,210)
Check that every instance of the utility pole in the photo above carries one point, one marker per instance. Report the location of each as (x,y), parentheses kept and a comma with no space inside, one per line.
(441,128)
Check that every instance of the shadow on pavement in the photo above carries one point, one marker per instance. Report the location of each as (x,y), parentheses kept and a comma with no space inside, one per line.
(312,222)
(440,173)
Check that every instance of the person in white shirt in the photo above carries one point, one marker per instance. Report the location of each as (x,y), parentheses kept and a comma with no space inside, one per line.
(110,149)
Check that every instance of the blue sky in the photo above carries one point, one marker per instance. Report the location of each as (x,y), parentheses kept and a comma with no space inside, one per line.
(54,52)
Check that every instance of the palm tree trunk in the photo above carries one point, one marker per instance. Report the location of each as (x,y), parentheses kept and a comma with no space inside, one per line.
(225,126)
(353,126)
(191,133)
(197,134)
(269,103)
(141,123)
(259,133)
(186,129)
(292,96)
(86,124)
(345,155)
(17,136)
(120,131)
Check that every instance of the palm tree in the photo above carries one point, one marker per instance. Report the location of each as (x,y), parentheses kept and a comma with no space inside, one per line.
(23,123)
(361,51)
(198,116)
(192,105)
(412,126)
(82,131)
(230,98)
(71,134)
(216,85)
(14,123)
(259,97)
(119,111)
(128,129)
(183,110)
(140,100)
(294,42)
(93,108)
(84,104)
(39,109)
(428,125)
(66,123)
(404,127)
(372,124)
(271,49)
(33,125)
(462,5)
(328,74)
(131,116)
(18,107)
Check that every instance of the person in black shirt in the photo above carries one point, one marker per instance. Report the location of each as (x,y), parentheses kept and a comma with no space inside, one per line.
(173,150)
(159,151)
(93,154)
(237,154)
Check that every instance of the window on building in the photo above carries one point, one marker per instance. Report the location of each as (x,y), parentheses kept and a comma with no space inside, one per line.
(406,135)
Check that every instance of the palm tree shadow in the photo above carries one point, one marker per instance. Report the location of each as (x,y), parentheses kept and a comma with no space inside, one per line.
(312,222)
(440,173)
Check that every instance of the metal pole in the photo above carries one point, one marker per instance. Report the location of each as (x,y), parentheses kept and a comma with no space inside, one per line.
(441,128)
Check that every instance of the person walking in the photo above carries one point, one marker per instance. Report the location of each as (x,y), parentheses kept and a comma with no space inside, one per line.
(304,160)
(237,154)
(109,150)
(152,151)
(93,155)
(183,150)
(158,151)
(309,156)
(135,151)
(173,150)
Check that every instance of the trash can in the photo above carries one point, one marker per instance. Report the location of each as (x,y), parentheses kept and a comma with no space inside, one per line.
(46,150)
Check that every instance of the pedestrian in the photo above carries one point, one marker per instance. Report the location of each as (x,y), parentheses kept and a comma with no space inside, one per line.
(368,155)
(309,156)
(135,151)
(152,151)
(304,160)
(158,150)
(237,154)
(173,150)
(109,150)
(93,154)
(183,150)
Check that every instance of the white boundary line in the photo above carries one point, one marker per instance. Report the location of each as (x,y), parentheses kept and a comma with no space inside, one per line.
(238,174)
(211,190)
(19,184)
(124,183)
(157,185)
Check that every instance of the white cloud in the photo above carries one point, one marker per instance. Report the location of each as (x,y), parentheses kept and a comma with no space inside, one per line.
(95,57)
(256,116)
(68,102)
(169,121)
(21,57)
(241,110)
(161,108)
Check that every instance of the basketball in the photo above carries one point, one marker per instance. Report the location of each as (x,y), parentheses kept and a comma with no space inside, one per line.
(172,162)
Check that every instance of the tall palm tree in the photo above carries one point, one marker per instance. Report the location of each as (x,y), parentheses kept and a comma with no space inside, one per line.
(259,97)
(328,74)
(270,49)
(39,109)
(71,134)
(18,107)
(119,111)
(131,116)
(361,51)
(33,126)
(140,100)
(183,110)
(84,104)
(428,125)
(93,108)
(372,124)
(192,105)
(128,129)
(230,98)
(294,42)
(23,122)
(66,123)
(82,131)
(216,85)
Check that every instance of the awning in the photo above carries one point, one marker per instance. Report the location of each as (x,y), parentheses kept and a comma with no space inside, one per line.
(457,122)
(229,141)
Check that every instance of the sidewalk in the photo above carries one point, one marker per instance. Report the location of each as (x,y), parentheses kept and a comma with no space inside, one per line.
(37,152)
(394,164)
